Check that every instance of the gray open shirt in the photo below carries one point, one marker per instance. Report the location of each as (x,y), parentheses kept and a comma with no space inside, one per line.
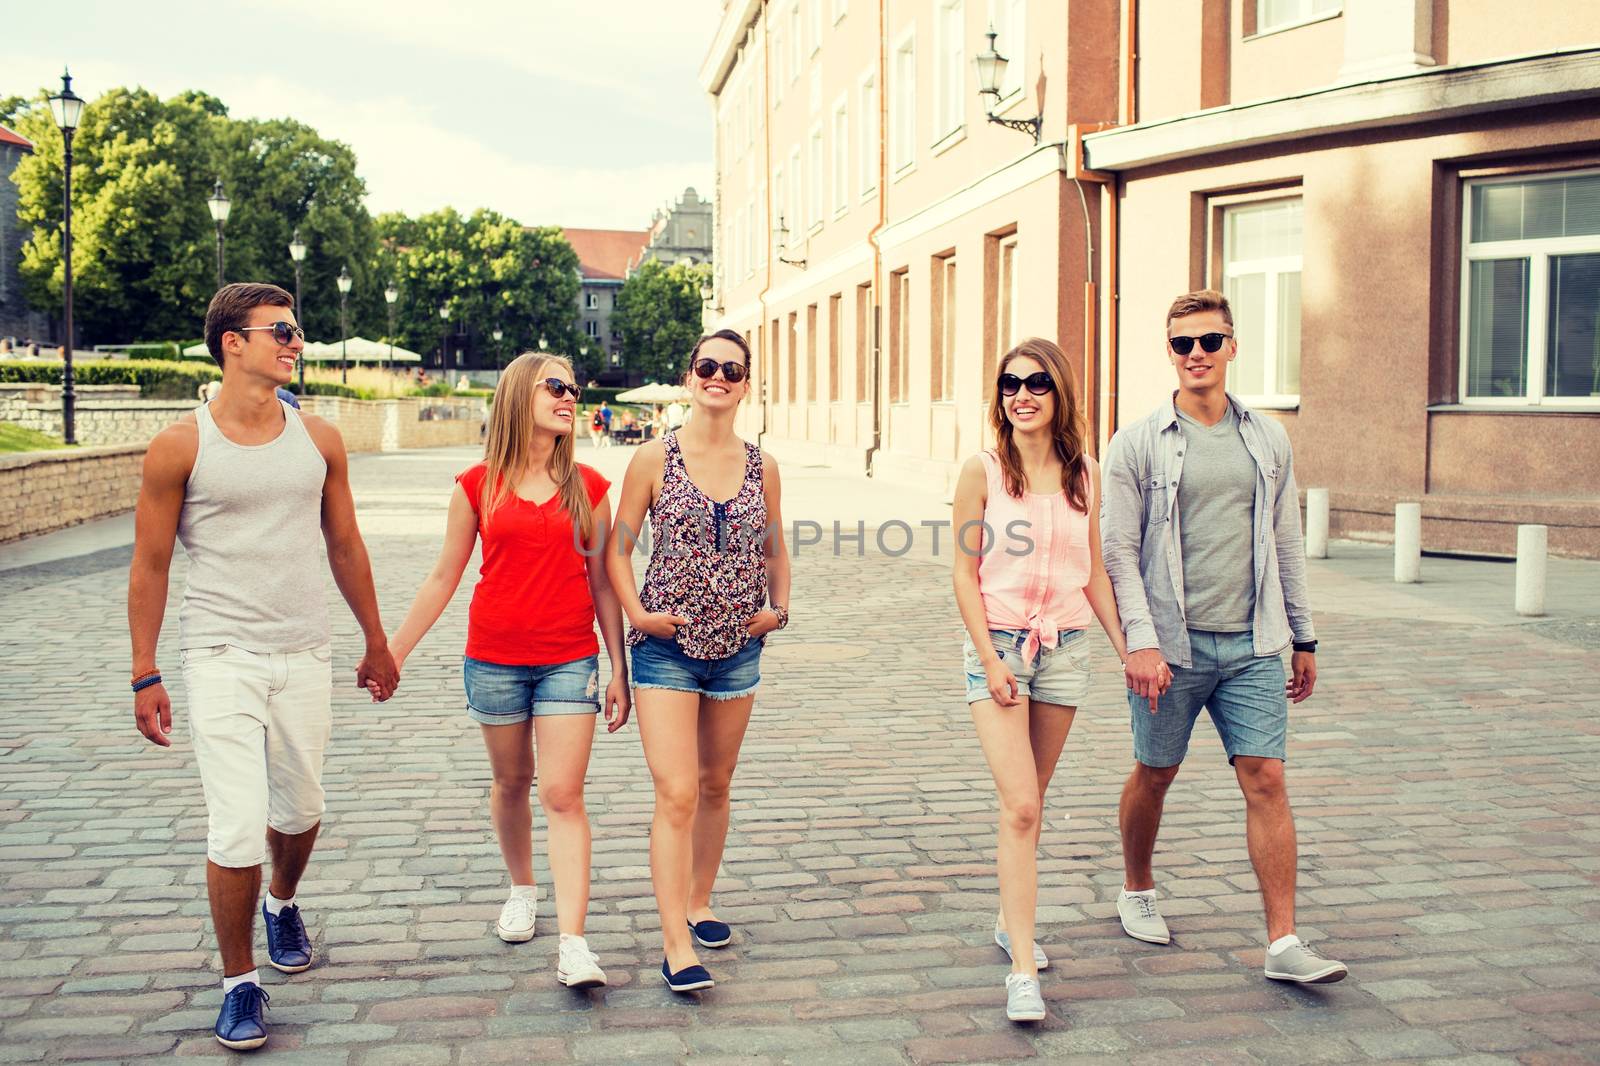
(1141,539)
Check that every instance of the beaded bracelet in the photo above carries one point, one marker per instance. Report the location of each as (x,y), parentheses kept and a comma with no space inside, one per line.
(147,673)
(782,612)
(145,682)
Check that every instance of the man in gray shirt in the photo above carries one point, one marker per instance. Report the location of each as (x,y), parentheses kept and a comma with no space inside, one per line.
(1201,538)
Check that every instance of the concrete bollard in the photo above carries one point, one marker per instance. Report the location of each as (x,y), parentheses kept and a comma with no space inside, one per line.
(1532,545)
(1407,543)
(1317,523)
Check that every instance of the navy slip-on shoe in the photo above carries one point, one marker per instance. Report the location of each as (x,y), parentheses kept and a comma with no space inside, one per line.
(688,979)
(288,946)
(712,933)
(239,1023)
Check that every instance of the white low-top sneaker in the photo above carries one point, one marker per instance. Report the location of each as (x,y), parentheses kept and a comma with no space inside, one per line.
(517,916)
(1303,964)
(1003,939)
(577,966)
(1141,918)
(1024,1002)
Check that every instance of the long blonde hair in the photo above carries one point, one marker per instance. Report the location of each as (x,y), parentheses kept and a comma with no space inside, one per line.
(1066,427)
(510,439)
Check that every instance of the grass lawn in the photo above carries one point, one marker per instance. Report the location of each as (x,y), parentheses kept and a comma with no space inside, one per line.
(14,438)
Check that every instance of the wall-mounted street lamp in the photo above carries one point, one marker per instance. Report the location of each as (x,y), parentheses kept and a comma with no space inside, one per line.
(991,72)
(66,107)
(782,235)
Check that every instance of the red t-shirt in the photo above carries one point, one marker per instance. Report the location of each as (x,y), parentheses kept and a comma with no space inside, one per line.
(531,606)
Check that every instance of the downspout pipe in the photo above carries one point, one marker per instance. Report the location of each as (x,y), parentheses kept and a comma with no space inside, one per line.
(877,249)
(766,205)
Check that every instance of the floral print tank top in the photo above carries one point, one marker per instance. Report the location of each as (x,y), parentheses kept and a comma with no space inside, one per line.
(707,559)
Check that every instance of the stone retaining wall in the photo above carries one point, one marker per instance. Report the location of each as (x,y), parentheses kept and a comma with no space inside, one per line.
(44,491)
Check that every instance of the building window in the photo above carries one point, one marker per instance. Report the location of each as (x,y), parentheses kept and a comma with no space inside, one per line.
(779,56)
(1281,14)
(811,354)
(795,212)
(1010,21)
(867,157)
(903,106)
(841,156)
(839,8)
(817,180)
(774,350)
(1261,277)
(592,301)
(793,369)
(797,44)
(814,25)
(899,333)
(942,304)
(835,312)
(863,339)
(1006,326)
(951,61)
(592,327)
(1531,291)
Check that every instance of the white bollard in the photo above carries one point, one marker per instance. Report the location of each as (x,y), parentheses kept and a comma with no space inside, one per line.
(1407,543)
(1532,543)
(1317,523)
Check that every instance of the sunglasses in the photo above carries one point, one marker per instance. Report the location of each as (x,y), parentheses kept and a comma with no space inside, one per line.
(282,332)
(1209,342)
(1038,383)
(732,372)
(559,388)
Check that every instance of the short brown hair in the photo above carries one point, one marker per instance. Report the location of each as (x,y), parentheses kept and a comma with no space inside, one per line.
(1203,300)
(231,306)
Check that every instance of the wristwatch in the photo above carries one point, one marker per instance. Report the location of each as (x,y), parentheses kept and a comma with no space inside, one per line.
(1306,645)
(782,612)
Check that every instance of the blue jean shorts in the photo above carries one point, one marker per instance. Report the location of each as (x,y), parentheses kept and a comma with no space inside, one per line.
(501,694)
(658,662)
(1243,692)
(1056,675)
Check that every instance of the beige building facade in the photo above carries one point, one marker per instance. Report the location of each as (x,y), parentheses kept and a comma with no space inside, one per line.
(1401,198)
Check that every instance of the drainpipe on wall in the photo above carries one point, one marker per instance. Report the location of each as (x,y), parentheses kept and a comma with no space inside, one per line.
(877,250)
(1127,115)
(766,205)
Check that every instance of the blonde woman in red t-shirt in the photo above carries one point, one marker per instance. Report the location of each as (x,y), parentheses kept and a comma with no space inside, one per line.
(532,664)
(1028,586)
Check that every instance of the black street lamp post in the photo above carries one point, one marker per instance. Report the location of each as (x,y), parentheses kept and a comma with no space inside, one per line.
(67,109)
(498,334)
(444,341)
(390,295)
(297,252)
(344,281)
(220,206)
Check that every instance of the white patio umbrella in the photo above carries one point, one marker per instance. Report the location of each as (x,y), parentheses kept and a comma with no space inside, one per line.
(357,349)
(654,393)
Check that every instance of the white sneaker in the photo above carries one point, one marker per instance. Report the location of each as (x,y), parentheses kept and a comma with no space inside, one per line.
(1024,1002)
(577,966)
(1141,919)
(517,916)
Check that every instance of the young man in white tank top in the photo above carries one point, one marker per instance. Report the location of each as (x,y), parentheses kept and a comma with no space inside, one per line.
(251,486)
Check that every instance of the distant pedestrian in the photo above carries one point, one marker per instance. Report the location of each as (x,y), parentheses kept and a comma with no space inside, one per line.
(676,413)
(1203,545)
(606,415)
(1027,604)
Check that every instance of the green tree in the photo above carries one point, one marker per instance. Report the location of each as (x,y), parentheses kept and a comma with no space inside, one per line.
(659,315)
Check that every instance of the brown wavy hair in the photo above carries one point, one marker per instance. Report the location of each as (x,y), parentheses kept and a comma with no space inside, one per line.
(510,439)
(1066,425)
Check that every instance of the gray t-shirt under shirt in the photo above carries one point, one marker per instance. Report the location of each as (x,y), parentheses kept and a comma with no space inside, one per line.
(1216,509)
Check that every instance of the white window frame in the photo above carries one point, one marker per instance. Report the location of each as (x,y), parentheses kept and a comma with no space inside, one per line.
(903,107)
(592,301)
(1538,251)
(778,64)
(797,44)
(1010,21)
(1306,18)
(814,26)
(816,165)
(839,9)
(950,67)
(868,134)
(840,163)
(1266,346)
(1006,331)
(794,210)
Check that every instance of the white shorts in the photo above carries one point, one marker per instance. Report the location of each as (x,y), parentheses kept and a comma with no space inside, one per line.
(260,724)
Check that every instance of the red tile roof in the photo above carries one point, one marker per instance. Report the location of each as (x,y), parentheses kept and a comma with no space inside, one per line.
(607,253)
(7,137)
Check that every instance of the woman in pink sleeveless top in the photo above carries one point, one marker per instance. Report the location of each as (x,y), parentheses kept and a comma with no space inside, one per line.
(1028,581)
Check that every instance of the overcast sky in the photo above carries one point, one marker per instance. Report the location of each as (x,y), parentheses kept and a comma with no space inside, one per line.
(553,112)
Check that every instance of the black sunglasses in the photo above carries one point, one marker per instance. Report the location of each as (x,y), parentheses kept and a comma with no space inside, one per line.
(559,388)
(1209,342)
(732,372)
(282,332)
(1038,383)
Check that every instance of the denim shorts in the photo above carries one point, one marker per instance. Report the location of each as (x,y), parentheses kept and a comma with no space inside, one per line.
(1244,693)
(1057,675)
(499,694)
(658,662)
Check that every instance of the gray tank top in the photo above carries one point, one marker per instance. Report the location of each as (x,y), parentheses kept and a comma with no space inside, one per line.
(252,527)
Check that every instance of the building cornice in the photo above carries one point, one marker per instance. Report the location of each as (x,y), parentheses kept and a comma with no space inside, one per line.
(1424,96)
(736,18)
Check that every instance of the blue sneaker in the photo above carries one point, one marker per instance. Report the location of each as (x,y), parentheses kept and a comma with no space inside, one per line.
(239,1024)
(712,933)
(288,946)
(688,979)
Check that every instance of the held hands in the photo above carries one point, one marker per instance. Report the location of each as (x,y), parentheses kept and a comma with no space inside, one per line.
(618,702)
(761,623)
(378,672)
(1303,676)
(1002,683)
(1147,674)
(660,624)
(152,713)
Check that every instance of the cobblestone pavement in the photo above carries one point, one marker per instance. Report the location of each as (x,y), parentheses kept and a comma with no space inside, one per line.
(1445,777)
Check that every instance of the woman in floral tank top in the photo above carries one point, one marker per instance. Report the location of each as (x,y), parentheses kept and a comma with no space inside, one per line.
(716,584)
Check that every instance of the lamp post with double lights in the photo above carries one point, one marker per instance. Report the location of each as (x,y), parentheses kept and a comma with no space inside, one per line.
(344,281)
(390,295)
(220,206)
(297,252)
(66,107)
(991,72)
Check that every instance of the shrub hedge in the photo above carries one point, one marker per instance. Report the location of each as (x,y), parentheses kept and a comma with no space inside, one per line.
(158,379)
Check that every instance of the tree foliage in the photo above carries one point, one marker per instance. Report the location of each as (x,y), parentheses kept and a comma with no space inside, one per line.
(659,315)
